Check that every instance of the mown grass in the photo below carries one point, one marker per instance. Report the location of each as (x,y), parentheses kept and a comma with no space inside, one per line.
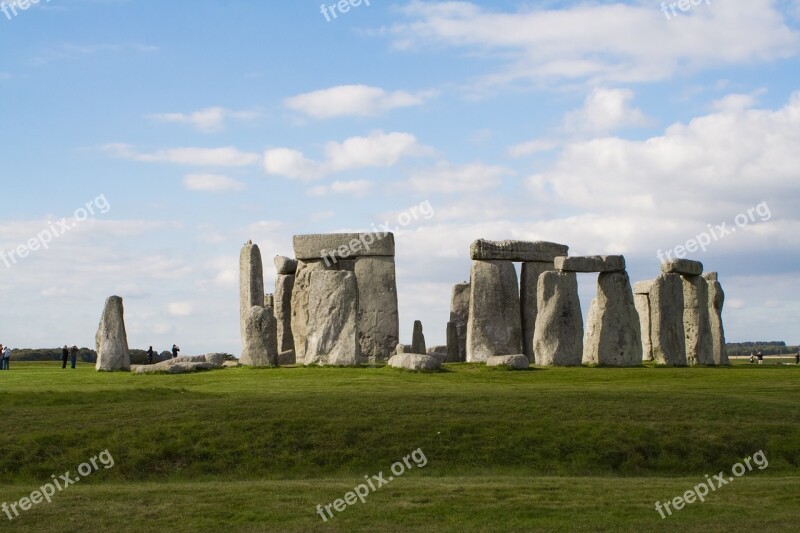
(564,448)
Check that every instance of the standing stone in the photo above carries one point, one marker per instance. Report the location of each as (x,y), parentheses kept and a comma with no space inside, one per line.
(332,334)
(111,339)
(558,335)
(716,300)
(528,295)
(378,317)
(613,333)
(283,311)
(696,321)
(459,316)
(494,326)
(269,301)
(418,339)
(285,265)
(666,311)
(260,338)
(300,304)
(641,298)
(251,282)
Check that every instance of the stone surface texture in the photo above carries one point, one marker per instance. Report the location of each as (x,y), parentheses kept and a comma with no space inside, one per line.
(696,321)
(613,333)
(592,263)
(528,301)
(515,362)
(415,362)
(111,339)
(523,251)
(343,245)
(558,337)
(378,316)
(687,267)
(716,300)
(332,329)
(261,338)
(494,326)
(666,315)
(284,284)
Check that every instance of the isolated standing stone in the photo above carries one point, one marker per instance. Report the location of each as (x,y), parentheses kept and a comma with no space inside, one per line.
(696,321)
(666,312)
(494,326)
(418,339)
(378,316)
(260,338)
(111,339)
(332,334)
(558,336)
(528,295)
(251,282)
(284,283)
(641,298)
(716,300)
(613,333)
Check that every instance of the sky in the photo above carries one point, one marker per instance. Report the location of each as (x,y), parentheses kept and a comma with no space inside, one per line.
(142,143)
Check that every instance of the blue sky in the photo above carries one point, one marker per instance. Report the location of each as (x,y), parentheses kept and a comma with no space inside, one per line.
(612,127)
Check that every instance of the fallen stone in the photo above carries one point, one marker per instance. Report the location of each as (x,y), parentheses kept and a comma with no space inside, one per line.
(666,316)
(175,368)
(558,338)
(528,294)
(459,316)
(418,339)
(378,316)
(215,359)
(686,267)
(260,338)
(251,282)
(334,246)
(524,251)
(111,339)
(593,263)
(230,364)
(494,326)
(415,362)
(284,283)
(716,300)
(696,321)
(514,362)
(613,333)
(285,266)
(332,336)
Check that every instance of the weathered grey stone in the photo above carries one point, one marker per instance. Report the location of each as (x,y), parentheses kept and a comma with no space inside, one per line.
(494,326)
(528,294)
(215,359)
(415,362)
(285,266)
(613,333)
(300,304)
(378,316)
(230,364)
(453,355)
(332,335)
(175,368)
(696,321)
(711,276)
(686,267)
(525,251)
(251,282)
(418,339)
(111,339)
(642,302)
(269,302)
(287,358)
(643,287)
(404,348)
(716,300)
(260,338)
(334,246)
(284,283)
(666,316)
(459,316)
(514,362)
(558,337)
(591,263)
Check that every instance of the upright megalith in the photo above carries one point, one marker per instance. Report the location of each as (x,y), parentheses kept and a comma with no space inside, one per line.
(696,321)
(641,298)
(300,304)
(494,326)
(269,301)
(529,308)
(716,300)
(418,339)
(666,312)
(613,333)
(558,335)
(260,338)
(251,282)
(332,333)
(284,283)
(378,316)
(459,316)
(111,339)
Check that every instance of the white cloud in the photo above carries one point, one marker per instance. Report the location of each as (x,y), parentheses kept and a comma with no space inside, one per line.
(209,120)
(212,183)
(292,164)
(356,188)
(228,156)
(605,110)
(353,100)
(448,178)
(180,308)
(532,147)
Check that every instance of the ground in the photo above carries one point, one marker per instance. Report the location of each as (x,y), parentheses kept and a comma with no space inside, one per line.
(561,449)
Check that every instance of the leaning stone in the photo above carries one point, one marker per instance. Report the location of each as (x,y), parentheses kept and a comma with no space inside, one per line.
(666,312)
(528,294)
(285,266)
(558,337)
(716,300)
(593,263)
(415,362)
(459,316)
(686,267)
(524,251)
(641,299)
(418,339)
(284,283)
(111,339)
(332,336)
(261,338)
(696,321)
(494,326)
(613,333)
(514,362)
(334,246)
(378,316)
(251,282)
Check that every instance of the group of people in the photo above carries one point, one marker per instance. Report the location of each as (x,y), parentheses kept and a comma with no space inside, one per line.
(760,357)
(5,357)
(151,353)
(69,353)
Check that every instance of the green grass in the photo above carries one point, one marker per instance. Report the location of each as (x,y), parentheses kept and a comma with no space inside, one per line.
(559,449)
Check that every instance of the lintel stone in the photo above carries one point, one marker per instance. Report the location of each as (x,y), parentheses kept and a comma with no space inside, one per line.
(592,263)
(524,251)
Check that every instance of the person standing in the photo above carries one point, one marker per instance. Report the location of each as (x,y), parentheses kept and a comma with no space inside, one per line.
(1,357)
(64,356)
(760,356)
(6,357)
(175,350)
(150,356)
(73,355)
(797,357)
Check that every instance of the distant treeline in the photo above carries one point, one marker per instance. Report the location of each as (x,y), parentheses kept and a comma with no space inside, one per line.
(86,355)
(765,347)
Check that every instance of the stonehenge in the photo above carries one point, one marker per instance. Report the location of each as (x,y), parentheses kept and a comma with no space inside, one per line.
(696,321)
(251,282)
(558,335)
(332,333)
(457,326)
(260,346)
(284,284)
(494,326)
(666,319)
(418,339)
(528,294)
(641,298)
(613,331)
(513,362)
(716,299)
(111,339)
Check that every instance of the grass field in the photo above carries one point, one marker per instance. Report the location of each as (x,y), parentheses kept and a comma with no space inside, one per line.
(560,449)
